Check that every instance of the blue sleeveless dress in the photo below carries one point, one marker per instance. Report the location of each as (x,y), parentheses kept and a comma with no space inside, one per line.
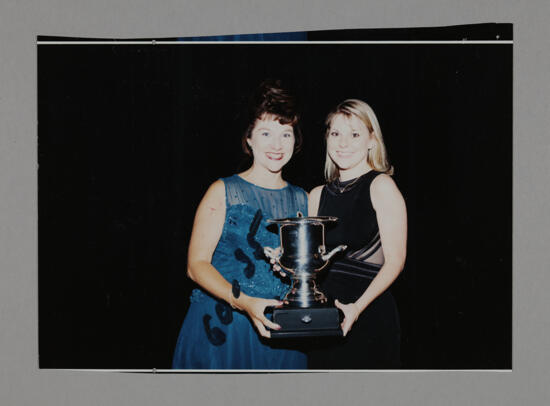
(215,336)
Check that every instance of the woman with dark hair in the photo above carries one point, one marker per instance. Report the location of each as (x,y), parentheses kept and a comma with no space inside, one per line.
(225,327)
(372,222)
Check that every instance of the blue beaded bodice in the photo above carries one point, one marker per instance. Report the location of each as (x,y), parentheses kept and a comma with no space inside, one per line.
(239,253)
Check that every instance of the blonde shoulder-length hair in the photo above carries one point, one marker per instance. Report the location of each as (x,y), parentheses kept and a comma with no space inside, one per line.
(377,157)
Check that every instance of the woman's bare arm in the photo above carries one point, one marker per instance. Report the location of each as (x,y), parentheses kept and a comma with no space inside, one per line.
(207,230)
(314,198)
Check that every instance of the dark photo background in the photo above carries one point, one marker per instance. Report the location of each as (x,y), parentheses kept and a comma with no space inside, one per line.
(131,136)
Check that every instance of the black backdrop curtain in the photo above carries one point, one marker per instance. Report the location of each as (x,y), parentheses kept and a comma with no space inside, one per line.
(130,137)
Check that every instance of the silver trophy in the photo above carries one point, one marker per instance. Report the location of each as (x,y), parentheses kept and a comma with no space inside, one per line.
(302,254)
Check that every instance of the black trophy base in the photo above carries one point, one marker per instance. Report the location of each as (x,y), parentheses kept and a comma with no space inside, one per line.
(306,322)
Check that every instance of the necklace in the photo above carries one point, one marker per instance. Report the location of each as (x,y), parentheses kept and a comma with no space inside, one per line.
(342,189)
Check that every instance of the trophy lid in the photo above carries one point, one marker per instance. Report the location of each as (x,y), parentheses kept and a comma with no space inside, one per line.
(303,220)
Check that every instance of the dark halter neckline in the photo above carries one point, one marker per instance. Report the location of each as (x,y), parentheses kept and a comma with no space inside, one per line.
(339,187)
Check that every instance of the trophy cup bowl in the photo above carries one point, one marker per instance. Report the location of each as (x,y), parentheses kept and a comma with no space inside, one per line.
(302,254)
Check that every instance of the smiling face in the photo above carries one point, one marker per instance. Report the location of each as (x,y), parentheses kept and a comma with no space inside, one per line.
(348,143)
(272,143)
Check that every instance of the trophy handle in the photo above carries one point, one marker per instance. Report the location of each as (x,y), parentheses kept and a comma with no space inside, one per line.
(274,253)
(330,254)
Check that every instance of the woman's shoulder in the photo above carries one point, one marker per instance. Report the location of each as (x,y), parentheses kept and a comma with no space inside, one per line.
(231,184)
(296,189)
(298,195)
(383,190)
(316,192)
(227,180)
(216,191)
(382,182)
(217,185)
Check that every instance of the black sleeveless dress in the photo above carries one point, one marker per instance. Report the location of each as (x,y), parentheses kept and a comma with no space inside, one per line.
(374,340)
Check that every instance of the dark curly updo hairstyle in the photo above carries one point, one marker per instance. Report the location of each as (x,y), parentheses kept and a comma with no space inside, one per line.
(272,98)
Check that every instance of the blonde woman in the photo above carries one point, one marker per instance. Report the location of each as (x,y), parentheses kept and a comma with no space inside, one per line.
(373,224)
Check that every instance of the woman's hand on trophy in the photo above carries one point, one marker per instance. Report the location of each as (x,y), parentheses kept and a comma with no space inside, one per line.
(274,254)
(255,308)
(351,313)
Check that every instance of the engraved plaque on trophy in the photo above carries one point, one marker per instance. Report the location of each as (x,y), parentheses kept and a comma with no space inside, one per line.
(302,254)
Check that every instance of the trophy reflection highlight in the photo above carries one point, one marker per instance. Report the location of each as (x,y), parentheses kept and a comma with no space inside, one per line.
(302,255)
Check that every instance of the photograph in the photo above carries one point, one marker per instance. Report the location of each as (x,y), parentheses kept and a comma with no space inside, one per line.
(294,201)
